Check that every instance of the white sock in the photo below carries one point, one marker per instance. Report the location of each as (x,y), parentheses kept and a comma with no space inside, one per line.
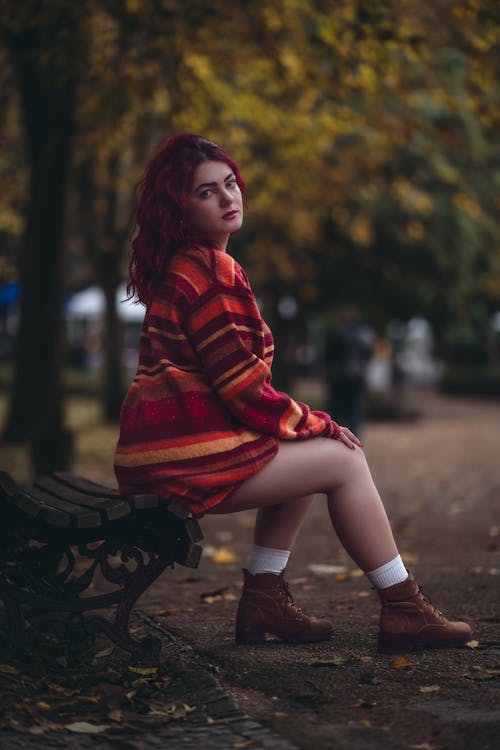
(389,574)
(268,560)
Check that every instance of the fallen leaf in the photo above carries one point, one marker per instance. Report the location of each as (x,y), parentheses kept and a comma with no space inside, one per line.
(358,573)
(163,682)
(43,706)
(55,688)
(209,597)
(478,675)
(83,727)
(401,662)
(244,743)
(137,629)
(429,688)
(211,721)
(494,671)
(279,715)
(46,726)
(322,569)
(143,670)
(179,710)
(342,577)
(105,652)
(223,556)
(8,669)
(472,644)
(116,715)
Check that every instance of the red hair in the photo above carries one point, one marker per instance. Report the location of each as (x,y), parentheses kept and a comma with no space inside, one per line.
(160,218)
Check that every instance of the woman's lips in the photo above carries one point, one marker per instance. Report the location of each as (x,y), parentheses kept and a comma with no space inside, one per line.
(230,215)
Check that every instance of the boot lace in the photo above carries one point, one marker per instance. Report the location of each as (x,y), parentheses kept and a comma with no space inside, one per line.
(289,597)
(427,599)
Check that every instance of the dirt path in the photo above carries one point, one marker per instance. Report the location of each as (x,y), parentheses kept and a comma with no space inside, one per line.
(440,478)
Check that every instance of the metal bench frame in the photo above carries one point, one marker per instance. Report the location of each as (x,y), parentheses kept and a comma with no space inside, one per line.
(55,536)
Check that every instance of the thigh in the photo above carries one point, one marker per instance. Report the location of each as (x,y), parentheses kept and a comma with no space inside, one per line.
(299,468)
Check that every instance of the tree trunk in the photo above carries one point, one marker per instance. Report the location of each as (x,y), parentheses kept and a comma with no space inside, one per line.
(36,407)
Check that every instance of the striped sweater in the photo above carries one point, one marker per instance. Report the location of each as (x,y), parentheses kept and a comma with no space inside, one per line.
(201,415)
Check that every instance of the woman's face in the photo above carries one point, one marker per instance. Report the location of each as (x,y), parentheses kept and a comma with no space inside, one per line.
(215,205)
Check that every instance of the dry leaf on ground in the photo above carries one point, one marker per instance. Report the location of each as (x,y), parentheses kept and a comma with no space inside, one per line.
(401,662)
(83,727)
(223,556)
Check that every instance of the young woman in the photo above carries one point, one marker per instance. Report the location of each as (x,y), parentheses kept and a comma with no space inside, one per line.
(202,422)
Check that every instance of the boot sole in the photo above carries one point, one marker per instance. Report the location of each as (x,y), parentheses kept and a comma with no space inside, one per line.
(405,645)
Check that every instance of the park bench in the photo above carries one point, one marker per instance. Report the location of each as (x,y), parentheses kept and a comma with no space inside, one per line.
(62,532)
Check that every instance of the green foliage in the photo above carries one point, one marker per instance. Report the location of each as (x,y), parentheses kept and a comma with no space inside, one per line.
(367,133)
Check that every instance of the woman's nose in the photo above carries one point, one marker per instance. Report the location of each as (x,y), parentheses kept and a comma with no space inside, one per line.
(226,196)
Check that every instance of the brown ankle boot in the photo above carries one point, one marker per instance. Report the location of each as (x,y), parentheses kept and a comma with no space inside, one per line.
(409,621)
(266,607)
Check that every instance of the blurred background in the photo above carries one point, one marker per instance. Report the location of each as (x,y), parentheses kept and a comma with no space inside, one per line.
(367,133)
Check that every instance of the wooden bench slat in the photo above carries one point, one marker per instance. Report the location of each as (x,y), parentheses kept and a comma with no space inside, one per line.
(82,518)
(7,485)
(145,501)
(37,509)
(193,530)
(177,509)
(86,485)
(139,501)
(110,508)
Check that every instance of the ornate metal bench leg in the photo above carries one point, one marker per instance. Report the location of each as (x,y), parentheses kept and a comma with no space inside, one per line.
(16,627)
(134,583)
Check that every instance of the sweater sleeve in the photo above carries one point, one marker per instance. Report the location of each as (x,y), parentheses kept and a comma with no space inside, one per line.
(227,331)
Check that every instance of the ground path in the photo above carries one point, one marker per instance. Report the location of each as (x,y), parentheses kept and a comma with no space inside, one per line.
(440,478)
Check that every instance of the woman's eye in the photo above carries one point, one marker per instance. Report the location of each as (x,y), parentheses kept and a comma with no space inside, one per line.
(231,184)
(205,194)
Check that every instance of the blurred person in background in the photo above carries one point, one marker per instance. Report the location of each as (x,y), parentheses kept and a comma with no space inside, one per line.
(350,346)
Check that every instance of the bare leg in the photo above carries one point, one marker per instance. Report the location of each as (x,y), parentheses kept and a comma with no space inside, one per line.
(322,465)
(277,525)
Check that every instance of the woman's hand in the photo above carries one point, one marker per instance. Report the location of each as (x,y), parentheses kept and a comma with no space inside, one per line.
(349,438)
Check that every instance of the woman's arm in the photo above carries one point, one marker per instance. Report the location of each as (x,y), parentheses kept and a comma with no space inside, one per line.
(226,329)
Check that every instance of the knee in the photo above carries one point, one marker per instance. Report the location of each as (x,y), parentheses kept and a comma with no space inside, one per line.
(354,464)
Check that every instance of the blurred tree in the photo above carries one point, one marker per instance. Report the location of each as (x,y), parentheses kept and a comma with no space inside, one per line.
(366,133)
(41,42)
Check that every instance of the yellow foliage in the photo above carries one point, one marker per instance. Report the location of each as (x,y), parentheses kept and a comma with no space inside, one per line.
(415,230)
(467,205)
(361,231)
